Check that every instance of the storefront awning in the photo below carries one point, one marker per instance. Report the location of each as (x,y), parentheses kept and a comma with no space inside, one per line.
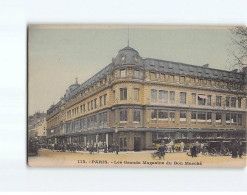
(202,96)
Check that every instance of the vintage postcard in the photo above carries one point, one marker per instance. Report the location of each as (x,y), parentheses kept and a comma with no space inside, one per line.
(137,96)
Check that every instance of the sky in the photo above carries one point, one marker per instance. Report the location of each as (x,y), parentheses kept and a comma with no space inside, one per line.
(59,54)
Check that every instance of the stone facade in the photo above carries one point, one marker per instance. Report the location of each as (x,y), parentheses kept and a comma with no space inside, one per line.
(134,101)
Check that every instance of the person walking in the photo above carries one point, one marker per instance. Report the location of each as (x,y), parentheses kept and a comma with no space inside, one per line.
(182,146)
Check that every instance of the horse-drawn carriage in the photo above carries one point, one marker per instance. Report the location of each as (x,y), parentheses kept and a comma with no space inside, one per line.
(217,147)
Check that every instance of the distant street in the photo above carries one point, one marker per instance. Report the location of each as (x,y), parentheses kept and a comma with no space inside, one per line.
(48,158)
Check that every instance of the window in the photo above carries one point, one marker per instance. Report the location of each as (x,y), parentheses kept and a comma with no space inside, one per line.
(123,93)
(208,100)
(182,97)
(123,73)
(218,100)
(100,101)
(182,79)
(202,99)
(218,118)
(227,101)
(209,117)
(182,116)
(193,117)
(193,98)
(233,102)
(163,96)
(153,114)
(105,99)
(123,115)
(91,104)
(239,119)
(153,95)
(201,117)
(95,103)
(137,115)
(153,75)
(136,94)
(172,116)
(171,78)
(137,73)
(233,119)
(193,81)
(239,102)
(81,108)
(114,96)
(228,118)
(172,97)
(88,106)
(163,115)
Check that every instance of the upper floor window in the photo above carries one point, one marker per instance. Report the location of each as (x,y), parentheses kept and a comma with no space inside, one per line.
(123,93)
(163,96)
(209,100)
(153,95)
(193,117)
(218,100)
(95,103)
(84,108)
(136,94)
(100,101)
(193,98)
(114,95)
(122,73)
(105,99)
(201,117)
(182,116)
(218,118)
(227,101)
(163,115)
(137,73)
(153,114)
(239,102)
(182,79)
(182,97)
(239,119)
(153,75)
(233,102)
(172,78)
(88,106)
(172,97)
(137,115)
(202,99)
(91,104)
(123,114)
(172,116)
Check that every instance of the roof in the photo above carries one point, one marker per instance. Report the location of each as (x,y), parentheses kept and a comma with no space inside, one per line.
(191,70)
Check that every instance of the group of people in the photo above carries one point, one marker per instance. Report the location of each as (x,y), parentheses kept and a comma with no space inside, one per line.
(237,149)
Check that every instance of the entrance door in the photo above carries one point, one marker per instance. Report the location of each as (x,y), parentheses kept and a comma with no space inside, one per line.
(137,143)
(123,144)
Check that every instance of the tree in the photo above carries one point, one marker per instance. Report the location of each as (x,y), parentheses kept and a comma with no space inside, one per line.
(239,38)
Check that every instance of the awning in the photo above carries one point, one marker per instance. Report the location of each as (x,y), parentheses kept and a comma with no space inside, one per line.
(202,96)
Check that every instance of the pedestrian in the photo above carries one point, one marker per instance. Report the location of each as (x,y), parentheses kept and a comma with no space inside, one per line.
(193,151)
(117,149)
(182,146)
(234,150)
(240,150)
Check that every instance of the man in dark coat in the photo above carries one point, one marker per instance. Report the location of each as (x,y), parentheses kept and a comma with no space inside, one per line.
(234,150)
(193,151)
(161,151)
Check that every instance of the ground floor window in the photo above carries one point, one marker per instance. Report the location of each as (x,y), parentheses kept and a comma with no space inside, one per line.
(153,114)
(163,115)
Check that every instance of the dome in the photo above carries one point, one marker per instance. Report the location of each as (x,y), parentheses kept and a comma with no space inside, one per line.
(128,56)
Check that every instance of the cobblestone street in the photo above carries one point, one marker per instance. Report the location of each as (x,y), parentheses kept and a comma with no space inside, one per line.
(48,158)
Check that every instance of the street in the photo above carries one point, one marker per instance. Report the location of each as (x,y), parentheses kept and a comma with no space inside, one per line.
(48,158)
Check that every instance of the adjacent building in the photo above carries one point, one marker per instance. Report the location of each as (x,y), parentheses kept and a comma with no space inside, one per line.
(133,102)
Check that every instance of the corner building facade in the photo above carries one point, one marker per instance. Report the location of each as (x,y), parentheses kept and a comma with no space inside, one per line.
(134,102)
